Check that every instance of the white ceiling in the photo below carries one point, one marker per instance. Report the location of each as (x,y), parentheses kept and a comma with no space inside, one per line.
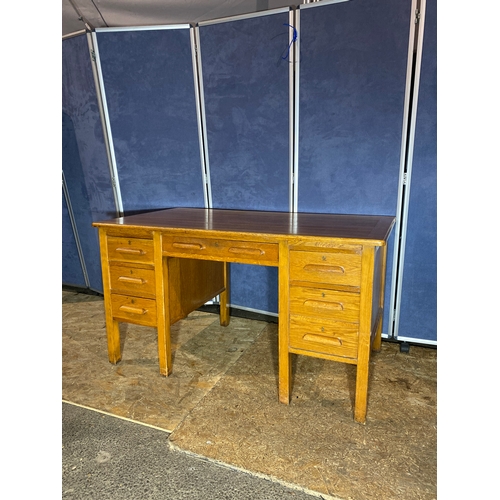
(113,13)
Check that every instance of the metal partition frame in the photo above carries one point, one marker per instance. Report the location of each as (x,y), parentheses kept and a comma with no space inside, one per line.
(420,16)
(200,110)
(76,236)
(103,112)
(108,136)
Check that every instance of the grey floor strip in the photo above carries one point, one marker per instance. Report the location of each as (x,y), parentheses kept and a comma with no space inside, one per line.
(105,457)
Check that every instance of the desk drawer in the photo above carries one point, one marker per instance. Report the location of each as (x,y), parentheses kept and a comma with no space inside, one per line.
(329,337)
(342,306)
(326,267)
(134,309)
(132,281)
(130,250)
(220,249)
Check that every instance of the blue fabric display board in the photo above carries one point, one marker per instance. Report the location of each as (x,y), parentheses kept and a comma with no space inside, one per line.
(85,166)
(150,97)
(72,271)
(351,109)
(246,96)
(418,309)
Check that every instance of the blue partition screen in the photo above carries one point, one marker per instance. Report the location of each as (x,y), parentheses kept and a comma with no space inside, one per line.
(353,59)
(246,88)
(72,271)
(84,159)
(418,310)
(151,101)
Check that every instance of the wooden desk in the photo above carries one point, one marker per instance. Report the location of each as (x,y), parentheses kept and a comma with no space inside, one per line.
(160,266)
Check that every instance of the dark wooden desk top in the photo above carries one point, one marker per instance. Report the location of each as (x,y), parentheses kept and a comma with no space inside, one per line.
(361,228)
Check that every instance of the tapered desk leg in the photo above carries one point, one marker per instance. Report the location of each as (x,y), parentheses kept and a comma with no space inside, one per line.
(365,322)
(284,356)
(113,334)
(112,326)
(361,389)
(224,298)
(162,307)
(377,341)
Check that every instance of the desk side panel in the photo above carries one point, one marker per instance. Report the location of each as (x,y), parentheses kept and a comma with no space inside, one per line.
(192,283)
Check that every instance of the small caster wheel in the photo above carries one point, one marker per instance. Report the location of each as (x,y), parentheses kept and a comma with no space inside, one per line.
(404,347)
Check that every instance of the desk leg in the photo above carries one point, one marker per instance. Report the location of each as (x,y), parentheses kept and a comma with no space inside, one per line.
(113,334)
(377,341)
(162,307)
(112,326)
(365,321)
(224,298)
(361,391)
(284,356)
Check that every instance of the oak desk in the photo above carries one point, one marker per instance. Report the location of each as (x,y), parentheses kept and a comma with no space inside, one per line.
(158,267)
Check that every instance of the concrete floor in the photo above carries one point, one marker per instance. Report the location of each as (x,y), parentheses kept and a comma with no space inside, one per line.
(105,457)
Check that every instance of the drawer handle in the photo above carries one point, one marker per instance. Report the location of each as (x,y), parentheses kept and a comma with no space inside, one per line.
(312,337)
(337,306)
(133,251)
(324,269)
(128,279)
(246,251)
(188,246)
(133,310)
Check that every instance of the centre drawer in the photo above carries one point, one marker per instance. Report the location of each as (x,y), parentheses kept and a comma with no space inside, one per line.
(134,309)
(221,249)
(132,281)
(337,338)
(342,306)
(336,268)
(130,250)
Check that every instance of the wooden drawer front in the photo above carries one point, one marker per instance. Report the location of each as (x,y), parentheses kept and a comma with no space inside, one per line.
(329,337)
(134,309)
(219,249)
(133,281)
(130,250)
(342,306)
(326,267)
